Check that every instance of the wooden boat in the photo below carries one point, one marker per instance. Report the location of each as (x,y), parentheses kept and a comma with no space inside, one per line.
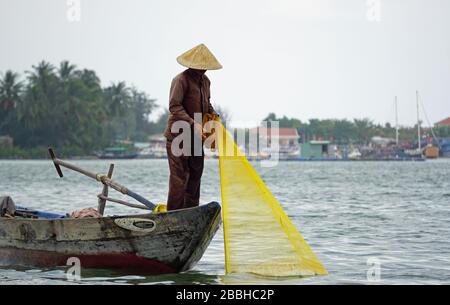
(431,152)
(151,243)
(118,152)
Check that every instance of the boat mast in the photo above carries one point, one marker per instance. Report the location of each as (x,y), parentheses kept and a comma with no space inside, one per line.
(418,122)
(396,121)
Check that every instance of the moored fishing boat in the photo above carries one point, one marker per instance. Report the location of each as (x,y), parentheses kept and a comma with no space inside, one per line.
(154,243)
(118,152)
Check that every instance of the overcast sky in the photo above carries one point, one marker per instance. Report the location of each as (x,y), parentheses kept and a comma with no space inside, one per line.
(301,58)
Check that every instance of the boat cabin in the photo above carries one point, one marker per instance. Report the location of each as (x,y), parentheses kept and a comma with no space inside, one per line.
(315,149)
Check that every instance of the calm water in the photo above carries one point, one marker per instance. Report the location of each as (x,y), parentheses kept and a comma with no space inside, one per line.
(396,213)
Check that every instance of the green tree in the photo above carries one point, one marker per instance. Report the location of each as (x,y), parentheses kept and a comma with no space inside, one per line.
(344,131)
(117,101)
(117,98)
(38,111)
(87,115)
(140,108)
(363,130)
(271,117)
(160,124)
(10,97)
(66,71)
(68,109)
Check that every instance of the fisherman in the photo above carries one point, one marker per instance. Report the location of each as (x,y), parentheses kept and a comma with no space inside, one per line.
(189,98)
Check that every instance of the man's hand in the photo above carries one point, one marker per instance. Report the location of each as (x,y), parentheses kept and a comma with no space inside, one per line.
(198,130)
(215,116)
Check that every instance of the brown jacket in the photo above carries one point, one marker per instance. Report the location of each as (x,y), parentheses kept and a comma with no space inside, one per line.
(189,94)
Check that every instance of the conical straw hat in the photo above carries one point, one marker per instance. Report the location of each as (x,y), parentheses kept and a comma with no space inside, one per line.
(199,57)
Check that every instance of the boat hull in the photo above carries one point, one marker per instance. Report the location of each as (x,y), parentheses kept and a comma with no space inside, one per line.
(175,243)
(118,157)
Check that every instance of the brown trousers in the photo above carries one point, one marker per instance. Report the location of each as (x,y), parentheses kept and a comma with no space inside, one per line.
(184,182)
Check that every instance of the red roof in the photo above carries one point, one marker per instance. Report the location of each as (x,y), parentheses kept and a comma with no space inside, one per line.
(282,132)
(444,122)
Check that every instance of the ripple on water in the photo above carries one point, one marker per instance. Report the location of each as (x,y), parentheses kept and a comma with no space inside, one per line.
(349,213)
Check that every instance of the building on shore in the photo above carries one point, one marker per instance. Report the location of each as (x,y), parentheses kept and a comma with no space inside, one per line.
(442,123)
(156,148)
(287,142)
(444,144)
(315,150)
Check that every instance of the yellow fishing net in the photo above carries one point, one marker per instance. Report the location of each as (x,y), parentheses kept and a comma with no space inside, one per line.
(258,235)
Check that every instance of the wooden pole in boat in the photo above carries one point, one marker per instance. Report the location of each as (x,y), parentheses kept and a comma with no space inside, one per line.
(102,201)
(138,206)
(99,177)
